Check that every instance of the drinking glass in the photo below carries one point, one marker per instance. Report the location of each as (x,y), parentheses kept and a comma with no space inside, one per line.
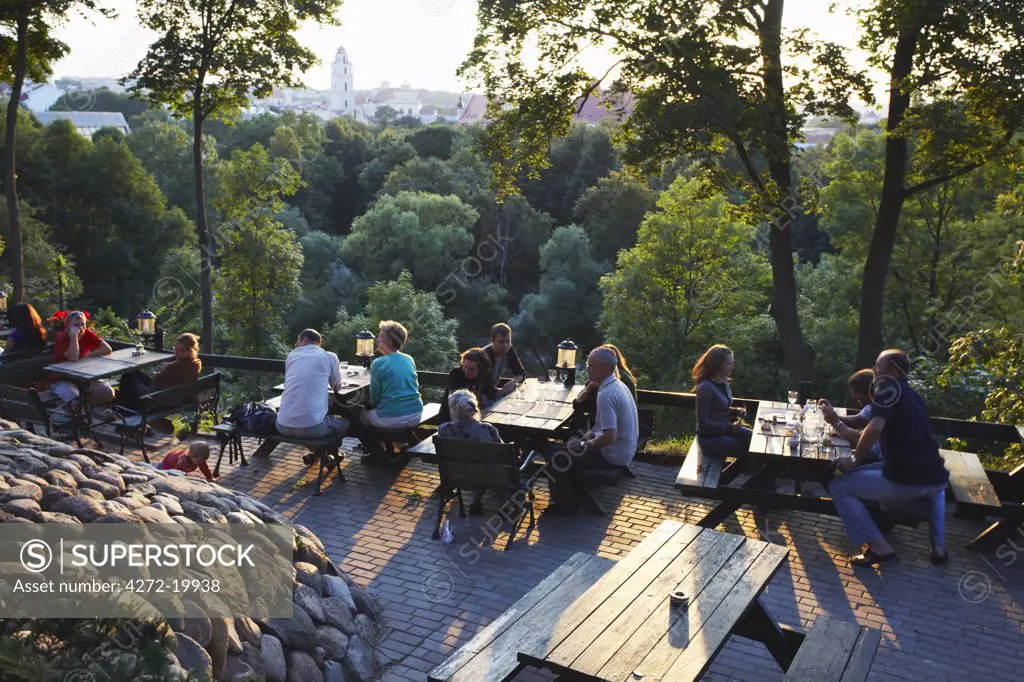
(792,397)
(344,369)
(552,375)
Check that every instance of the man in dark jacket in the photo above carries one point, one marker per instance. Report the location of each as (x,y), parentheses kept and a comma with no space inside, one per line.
(911,466)
(504,357)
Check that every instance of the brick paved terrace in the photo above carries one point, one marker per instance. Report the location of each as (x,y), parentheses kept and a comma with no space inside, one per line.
(962,621)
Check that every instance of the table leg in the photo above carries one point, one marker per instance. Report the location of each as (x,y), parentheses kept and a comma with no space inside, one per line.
(266,447)
(84,413)
(781,642)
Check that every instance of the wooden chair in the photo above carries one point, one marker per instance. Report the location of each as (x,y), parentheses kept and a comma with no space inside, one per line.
(467,464)
(200,397)
(834,650)
(26,407)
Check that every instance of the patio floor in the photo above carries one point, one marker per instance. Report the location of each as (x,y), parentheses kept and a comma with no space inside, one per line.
(961,621)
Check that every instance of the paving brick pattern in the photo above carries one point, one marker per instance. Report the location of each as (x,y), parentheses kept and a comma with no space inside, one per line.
(963,621)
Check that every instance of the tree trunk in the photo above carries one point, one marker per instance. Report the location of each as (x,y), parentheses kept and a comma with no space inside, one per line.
(14,241)
(798,354)
(876,268)
(205,247)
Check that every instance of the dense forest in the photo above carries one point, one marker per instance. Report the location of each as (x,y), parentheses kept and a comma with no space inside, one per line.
(336,225)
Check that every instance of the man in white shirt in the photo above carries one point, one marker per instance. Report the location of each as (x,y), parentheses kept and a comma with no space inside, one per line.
(611,443)
(308,372)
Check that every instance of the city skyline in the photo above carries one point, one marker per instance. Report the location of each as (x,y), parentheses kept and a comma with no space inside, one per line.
(420,42)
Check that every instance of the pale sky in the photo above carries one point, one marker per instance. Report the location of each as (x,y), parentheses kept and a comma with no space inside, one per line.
(419,41)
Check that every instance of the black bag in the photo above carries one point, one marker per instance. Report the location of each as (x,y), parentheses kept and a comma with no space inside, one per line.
(258,418)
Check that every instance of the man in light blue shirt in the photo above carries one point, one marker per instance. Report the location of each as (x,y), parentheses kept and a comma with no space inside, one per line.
(611,443)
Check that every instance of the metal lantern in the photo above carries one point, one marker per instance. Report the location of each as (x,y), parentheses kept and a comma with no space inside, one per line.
(566,364)
(364,346)
(145,323)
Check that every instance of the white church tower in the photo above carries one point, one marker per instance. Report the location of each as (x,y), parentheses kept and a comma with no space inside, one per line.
(343,95)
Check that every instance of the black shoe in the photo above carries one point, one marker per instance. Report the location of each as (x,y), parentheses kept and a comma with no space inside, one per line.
(562,510)
(939,560)
(871,558)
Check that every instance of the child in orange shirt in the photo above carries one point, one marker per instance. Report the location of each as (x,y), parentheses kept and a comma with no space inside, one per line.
(189,460)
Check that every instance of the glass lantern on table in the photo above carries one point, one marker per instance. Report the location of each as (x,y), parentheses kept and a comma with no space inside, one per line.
(566,364)
(364,347)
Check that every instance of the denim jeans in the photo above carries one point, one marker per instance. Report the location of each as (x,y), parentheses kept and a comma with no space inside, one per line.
(329,425)
(868,483)
(732,445)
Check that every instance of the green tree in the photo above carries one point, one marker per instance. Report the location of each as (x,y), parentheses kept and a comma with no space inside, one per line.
(433,141)
(692,279)
(388,152)
(611,212)
(385,115)
(703,79)
(28,48)
(209,57)
(165,149)
(953,68)
(432,337)
(991,362)
(568,304)
(258,279)
(322,272)
(424,233)
(109,213)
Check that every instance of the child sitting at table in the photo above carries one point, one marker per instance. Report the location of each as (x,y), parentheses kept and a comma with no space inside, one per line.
(189,460)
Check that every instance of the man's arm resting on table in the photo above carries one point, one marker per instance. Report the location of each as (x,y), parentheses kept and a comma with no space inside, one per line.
(104,349)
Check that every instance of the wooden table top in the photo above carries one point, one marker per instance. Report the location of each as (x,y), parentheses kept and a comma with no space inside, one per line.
(617,624)
(354,380)
(772,438)
(104,366)
(544,406)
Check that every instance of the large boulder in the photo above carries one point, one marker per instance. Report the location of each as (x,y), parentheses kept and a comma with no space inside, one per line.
(302,668)
(193,657)
(334,642)
(297,632)
(272,657)
(359,659)
(309,601)
(248,631)
(336,587)
(337,614)
(308,575)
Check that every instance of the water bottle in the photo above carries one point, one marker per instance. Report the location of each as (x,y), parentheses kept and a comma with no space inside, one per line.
(446,532)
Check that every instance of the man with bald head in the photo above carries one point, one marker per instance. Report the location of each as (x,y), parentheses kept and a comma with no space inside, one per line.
(611,443)
(911,468)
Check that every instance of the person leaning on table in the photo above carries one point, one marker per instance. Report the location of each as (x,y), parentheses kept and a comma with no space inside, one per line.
(911,466)
(309,371)
(75,343)
(849,428)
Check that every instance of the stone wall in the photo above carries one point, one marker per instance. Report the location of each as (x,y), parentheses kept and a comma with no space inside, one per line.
(330,637)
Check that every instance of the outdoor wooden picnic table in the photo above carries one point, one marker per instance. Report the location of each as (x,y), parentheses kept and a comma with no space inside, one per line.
(771,457)
(100,367)
(544,407)
(353,381)
(594,622)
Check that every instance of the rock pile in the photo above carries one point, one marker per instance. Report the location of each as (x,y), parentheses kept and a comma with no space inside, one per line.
(330,637)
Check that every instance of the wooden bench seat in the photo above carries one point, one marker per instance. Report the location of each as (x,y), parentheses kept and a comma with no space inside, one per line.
(201,396)
(492,655)
(834,650)
(326,449)
(700,473)
(969,483)
(405,437)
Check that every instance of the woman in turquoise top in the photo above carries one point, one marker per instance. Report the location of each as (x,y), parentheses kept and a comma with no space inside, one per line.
(394,388)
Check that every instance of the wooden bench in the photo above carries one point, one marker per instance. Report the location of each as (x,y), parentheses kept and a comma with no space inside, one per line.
(25,368)
(326,449)
(834,650)
(976,498)
(406,437)
(700,472)
(492,655)
(29,408)
(201,396)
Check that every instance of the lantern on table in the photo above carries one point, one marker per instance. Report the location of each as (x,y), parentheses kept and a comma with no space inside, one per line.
(364,347)
(145,324)
(566,364)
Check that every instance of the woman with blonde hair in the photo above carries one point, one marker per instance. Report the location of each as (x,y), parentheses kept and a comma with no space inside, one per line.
(720,430)
(183,369)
